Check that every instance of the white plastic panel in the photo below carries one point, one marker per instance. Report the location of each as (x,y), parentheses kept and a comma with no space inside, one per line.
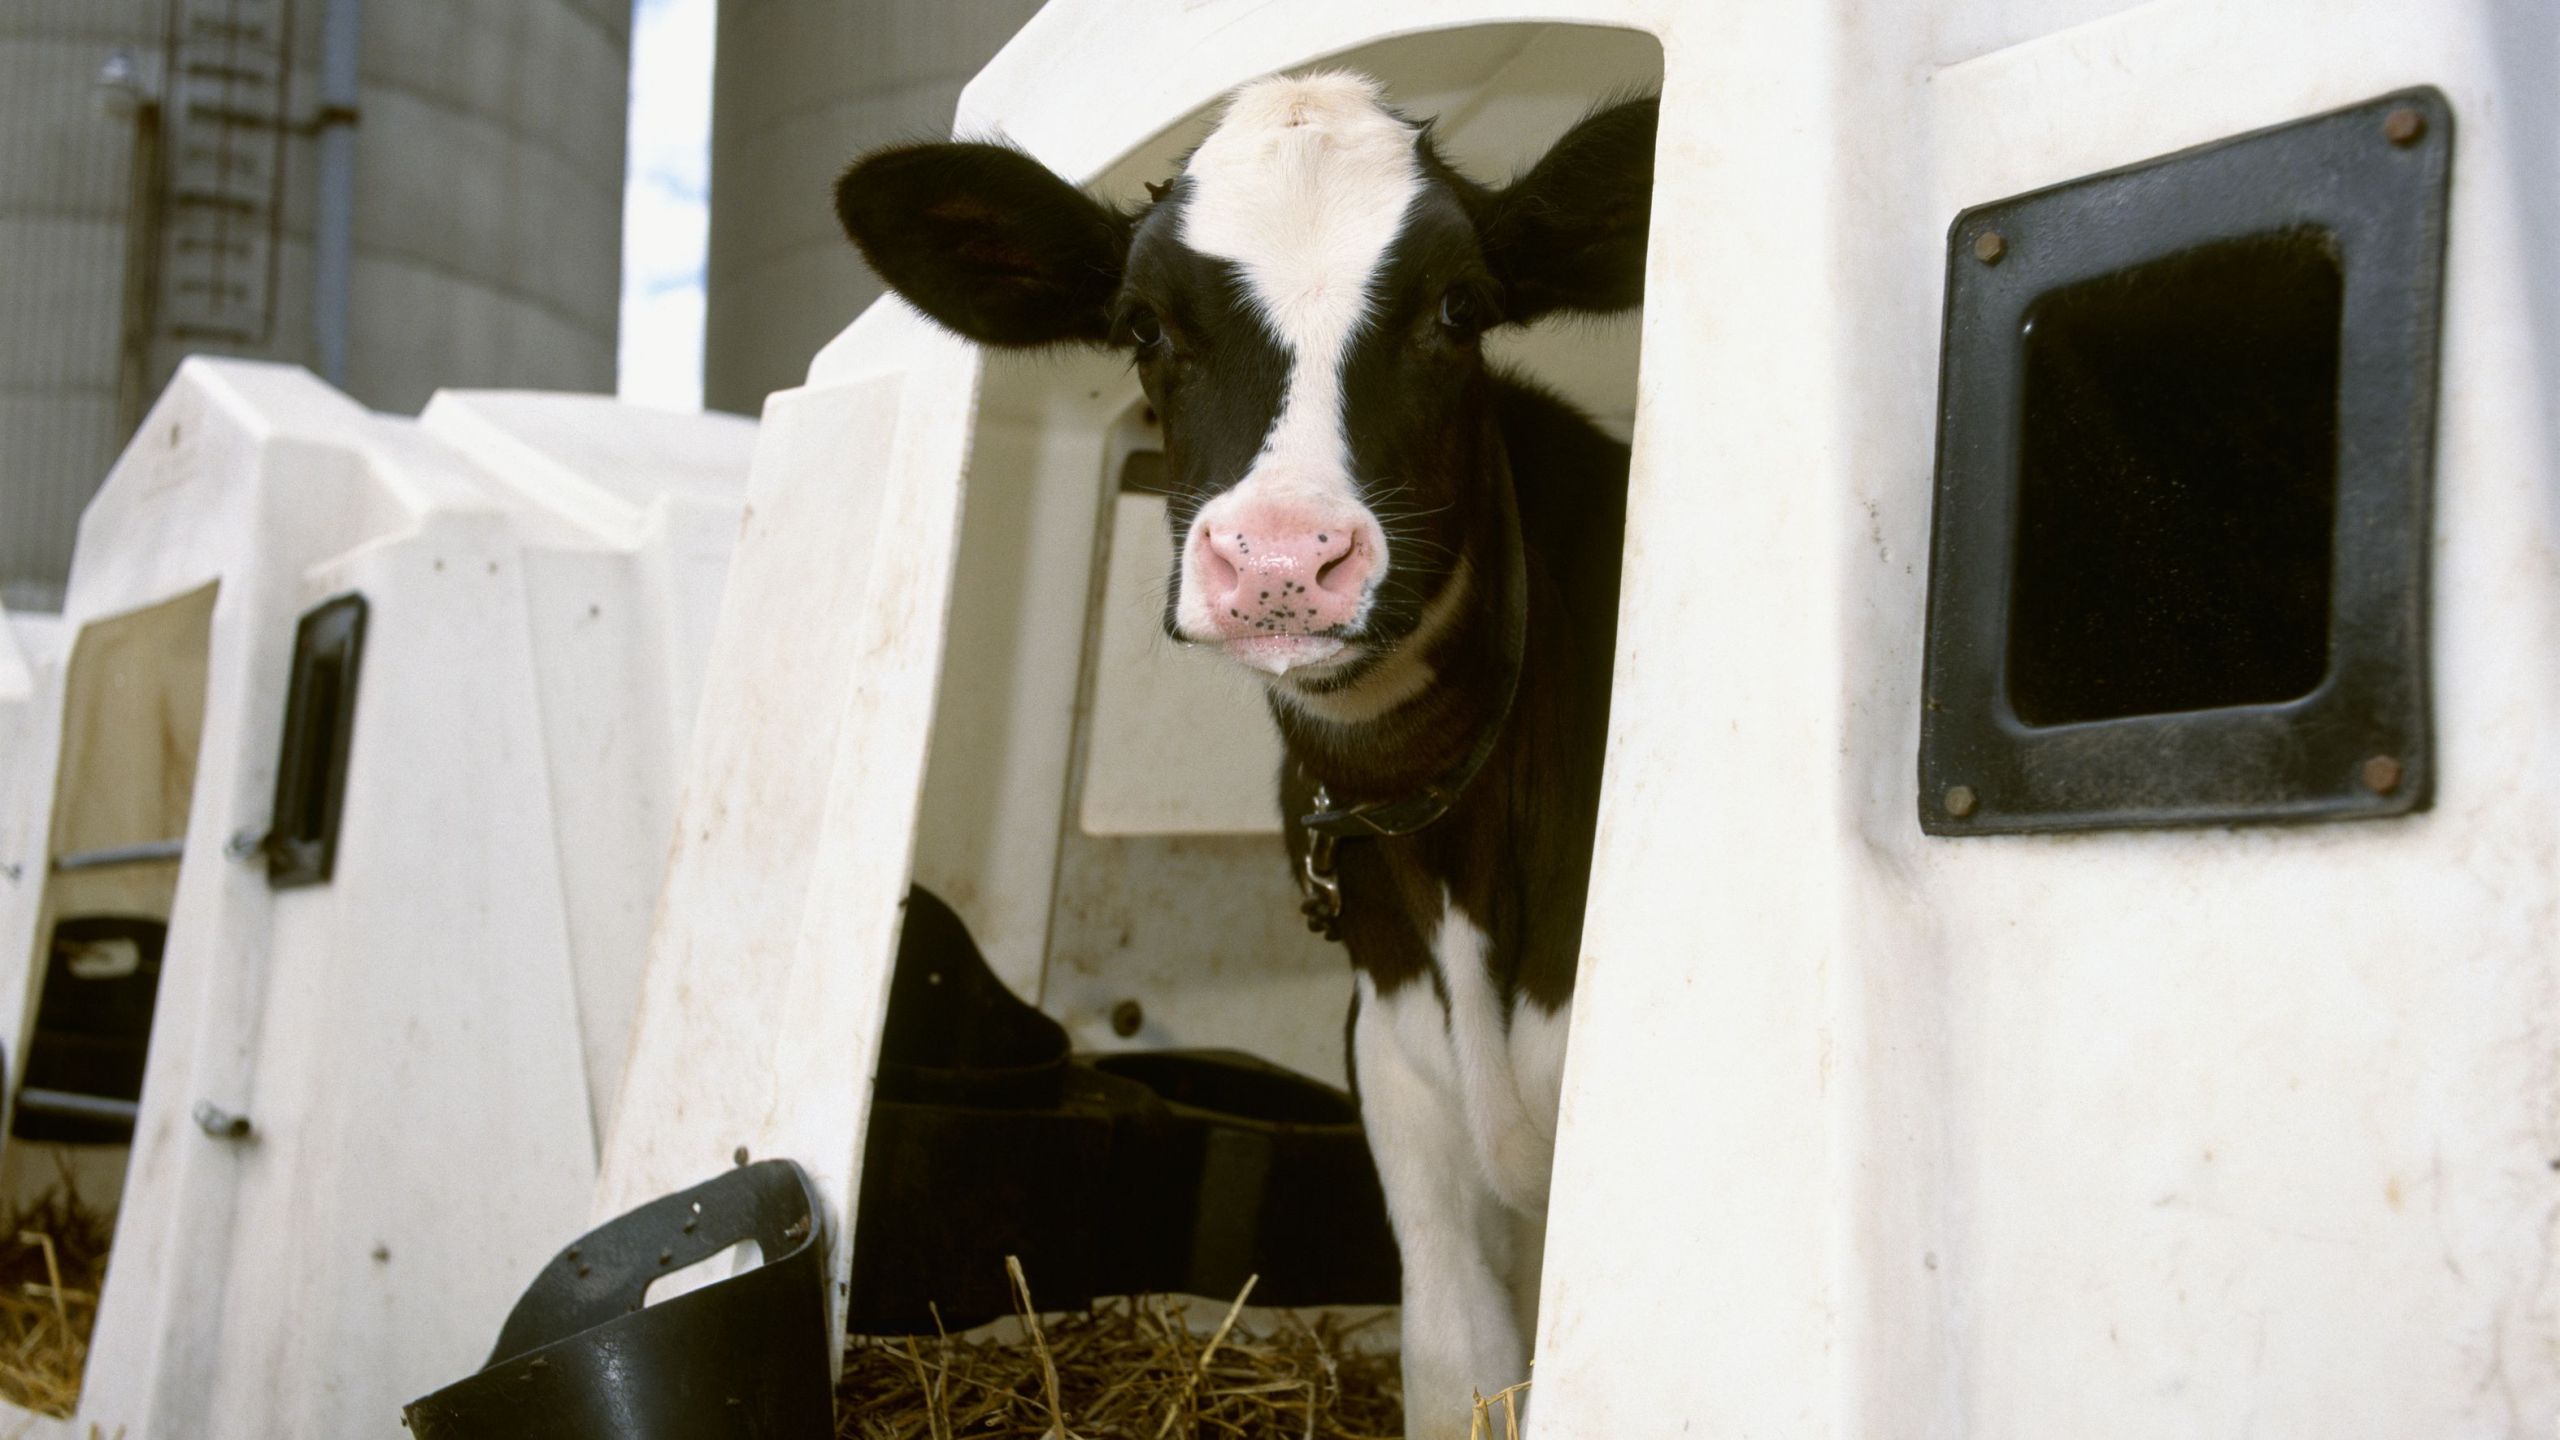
(1864,1134)
(2197,1132)
(1004,720)
(31,655)
(411,1040)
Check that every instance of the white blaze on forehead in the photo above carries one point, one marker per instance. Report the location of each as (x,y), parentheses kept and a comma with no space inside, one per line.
(1303,187)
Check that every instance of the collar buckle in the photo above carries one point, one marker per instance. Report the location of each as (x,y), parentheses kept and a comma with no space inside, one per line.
(1319,882)
(1319,888)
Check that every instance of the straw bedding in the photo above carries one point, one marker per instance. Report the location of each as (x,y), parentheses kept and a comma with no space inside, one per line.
(1146,1368)
(1139,1369)
(53,1258)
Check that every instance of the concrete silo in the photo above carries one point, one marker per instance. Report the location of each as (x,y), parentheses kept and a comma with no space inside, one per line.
(404,195)
(800,87)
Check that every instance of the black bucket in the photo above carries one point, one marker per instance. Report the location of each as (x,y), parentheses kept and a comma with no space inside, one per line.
(1184,1171)
(744,1358)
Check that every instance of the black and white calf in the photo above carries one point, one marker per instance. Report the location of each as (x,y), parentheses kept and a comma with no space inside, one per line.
(1418,553)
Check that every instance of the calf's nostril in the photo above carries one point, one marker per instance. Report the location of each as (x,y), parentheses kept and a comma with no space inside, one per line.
(1333,576)
(1217,571)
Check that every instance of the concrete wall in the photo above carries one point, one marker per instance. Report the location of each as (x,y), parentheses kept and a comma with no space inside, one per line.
(802,86)
(488,197)
(62,222)
(487,227)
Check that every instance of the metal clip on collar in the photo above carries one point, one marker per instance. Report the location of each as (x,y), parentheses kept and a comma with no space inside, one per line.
(1320,891)
(1327,828)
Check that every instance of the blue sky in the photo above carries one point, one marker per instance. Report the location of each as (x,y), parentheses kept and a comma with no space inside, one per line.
(666,210)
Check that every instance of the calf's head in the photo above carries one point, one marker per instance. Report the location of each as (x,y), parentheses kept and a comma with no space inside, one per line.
(1304,303)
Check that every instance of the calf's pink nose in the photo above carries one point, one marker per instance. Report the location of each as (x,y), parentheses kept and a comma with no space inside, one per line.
(1282,579)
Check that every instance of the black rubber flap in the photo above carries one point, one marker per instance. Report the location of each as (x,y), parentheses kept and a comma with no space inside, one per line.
(954,1035)
(743,1358)
(2186,447)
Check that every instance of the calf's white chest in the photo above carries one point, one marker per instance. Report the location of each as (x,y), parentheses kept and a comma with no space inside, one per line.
(1461,1109)
(1496,1077)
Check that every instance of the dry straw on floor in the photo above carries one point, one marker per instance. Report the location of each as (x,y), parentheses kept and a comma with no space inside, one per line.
(1128,1370)
(1135,1370)
(53,1258)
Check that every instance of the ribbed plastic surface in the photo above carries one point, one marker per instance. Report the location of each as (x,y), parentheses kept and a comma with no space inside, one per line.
(488,213)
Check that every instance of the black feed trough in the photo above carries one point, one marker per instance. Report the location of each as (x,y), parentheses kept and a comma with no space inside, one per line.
(1179,1171)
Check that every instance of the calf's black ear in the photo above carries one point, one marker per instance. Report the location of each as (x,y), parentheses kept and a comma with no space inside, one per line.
(1570,234)
(985,240)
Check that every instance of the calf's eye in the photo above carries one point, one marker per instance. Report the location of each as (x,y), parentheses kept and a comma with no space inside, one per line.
(1142,327)
(1458,312)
